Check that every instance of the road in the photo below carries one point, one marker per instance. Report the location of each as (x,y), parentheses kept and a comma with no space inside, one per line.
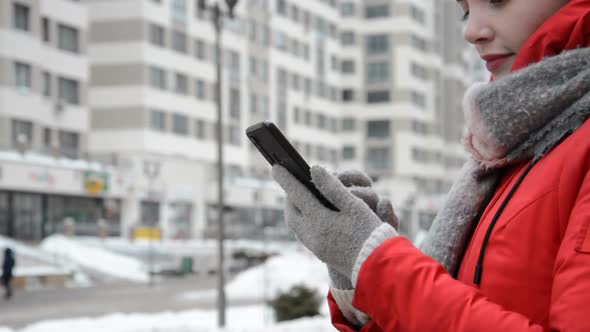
(32,306)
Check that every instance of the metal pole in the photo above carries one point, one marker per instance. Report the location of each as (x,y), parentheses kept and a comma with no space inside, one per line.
(221,229)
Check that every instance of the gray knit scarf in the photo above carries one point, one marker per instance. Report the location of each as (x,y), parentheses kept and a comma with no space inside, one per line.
(509,121)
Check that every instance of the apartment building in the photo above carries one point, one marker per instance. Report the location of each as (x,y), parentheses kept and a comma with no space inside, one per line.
(375,85)
(45,175)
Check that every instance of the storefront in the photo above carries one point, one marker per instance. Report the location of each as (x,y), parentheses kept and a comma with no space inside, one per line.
(37,200)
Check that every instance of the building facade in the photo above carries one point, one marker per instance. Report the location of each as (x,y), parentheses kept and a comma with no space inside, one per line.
(374,85)
(46,176)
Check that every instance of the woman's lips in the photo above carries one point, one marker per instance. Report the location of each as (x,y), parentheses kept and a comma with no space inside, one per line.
(494,61)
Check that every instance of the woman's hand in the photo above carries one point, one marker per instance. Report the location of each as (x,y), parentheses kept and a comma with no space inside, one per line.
(335,237)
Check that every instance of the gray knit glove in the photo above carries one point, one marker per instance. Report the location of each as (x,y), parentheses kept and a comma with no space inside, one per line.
(359,184)
(335,237)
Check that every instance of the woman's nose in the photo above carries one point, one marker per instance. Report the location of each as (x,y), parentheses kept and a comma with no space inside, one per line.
(477,31)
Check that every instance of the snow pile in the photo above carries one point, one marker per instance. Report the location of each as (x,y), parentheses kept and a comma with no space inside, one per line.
(35,262)
(239,319)
(277,274)
(96,259)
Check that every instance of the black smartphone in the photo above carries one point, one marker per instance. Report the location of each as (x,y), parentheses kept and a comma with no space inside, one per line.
(275,147)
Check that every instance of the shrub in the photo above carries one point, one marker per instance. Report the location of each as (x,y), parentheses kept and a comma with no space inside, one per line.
(299,301)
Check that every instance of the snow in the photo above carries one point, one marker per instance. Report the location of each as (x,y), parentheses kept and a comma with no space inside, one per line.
(96,259)
(277,274)
(280,273)
(238,319)
(32,261)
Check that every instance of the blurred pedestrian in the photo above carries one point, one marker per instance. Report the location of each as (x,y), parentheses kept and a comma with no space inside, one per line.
(7,269)
(510,249)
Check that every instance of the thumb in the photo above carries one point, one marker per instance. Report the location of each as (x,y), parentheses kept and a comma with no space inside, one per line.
(332,188)
(386,214)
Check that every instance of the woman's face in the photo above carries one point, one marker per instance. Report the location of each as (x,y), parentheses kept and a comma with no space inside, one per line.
(498,28)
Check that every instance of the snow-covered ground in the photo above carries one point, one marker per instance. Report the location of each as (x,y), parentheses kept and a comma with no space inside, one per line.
(95,258)
(241,319)
(294,266)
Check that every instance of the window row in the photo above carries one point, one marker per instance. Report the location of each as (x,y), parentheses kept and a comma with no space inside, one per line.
(378,10)
(315,120)
(57,142)
(181,84)
(67,90)
(377,158)
(182,125)
(307,19)
(426,156)
(317,152)
(68,37)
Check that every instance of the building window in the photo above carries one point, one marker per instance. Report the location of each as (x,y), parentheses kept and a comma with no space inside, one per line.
(282,7)
(296,114)
(181,84)
(234,103)
(157,78)
(150,213)
(263,105)
(347,95)
(22,134)
(280,41)
(179,11)
(419,43)
(252,30)
(377,44)
(378,158)
(46,29)
(46,84)
(157,35)
(200,90)
(69,144)
(253,66)
(200,50)
(179,41)
(348,153)
(68,38)
(377,72)
(68,90)
(347,9)
(20,15)
(419,71)
(234,135)
(378,129)
(348,124)
(347,38)
(158,120)
(22,76)
(418,99)
(179,124)
(200,129)
(377,11)
(378,97)
(417,14)
(47,139)
(348,67)
(253,103)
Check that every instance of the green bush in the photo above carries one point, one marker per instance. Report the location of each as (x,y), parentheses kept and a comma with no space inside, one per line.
(299,301)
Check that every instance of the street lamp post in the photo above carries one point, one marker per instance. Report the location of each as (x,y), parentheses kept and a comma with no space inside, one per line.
(217,14)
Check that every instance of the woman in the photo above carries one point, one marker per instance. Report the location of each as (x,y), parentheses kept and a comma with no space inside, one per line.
(510,250)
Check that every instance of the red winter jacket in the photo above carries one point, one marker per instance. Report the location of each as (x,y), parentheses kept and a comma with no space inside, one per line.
(536,271)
